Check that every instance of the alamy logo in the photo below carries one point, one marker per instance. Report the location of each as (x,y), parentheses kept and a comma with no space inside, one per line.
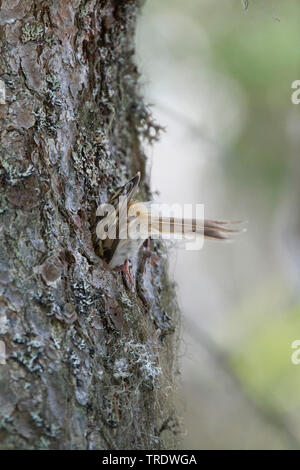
(138,220)
(295,358)
(296,94)
(2,353)
(2,92)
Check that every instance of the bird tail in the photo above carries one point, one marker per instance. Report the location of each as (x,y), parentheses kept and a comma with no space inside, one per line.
(210,229)
(156,224)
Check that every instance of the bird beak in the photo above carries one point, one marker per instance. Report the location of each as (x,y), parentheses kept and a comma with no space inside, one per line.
(127,191)
(131,187)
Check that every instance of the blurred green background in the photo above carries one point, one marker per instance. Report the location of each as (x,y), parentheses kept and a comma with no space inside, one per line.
(219,77)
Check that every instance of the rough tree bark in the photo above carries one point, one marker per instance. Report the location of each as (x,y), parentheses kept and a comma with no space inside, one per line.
(89,363)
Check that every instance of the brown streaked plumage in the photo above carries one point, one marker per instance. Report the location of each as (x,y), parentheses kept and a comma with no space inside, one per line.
(118,251)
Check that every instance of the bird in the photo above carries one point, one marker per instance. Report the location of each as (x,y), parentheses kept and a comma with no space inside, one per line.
(125,224)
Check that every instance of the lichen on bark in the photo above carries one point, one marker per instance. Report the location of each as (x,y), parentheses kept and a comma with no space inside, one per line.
(89,363)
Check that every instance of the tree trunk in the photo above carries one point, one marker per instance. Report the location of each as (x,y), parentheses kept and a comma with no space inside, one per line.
(89,363)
